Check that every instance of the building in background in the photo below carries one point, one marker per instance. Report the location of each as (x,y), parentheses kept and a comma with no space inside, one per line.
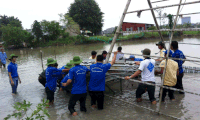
(186,20)
(109,30)
(126,26)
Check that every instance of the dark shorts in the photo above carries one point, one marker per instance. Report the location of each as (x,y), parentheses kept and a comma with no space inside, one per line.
(97,96)
(50,94)
(4,65)
(170,93)
(142,88)
(77,97)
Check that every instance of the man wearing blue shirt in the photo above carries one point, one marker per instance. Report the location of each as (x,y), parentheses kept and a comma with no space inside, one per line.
(77,76)
(97,81)
(3,58)
(132,58)
(13,74)
(178,54)
(51,79)
(64,80)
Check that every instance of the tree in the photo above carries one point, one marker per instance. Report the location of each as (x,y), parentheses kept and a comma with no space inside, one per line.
(37,30)
(5,20)
(67,21)
(12,35)
(87,14)
(170,17)
(51,29)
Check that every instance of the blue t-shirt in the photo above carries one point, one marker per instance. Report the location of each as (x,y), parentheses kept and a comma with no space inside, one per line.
(64,80)
(51,77)
(138,59)
(78,76)
(97,76)
(3,57)
(12,67)
(179,54)
(63,73)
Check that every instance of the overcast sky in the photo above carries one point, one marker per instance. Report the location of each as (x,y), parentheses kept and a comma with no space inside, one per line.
(29,10)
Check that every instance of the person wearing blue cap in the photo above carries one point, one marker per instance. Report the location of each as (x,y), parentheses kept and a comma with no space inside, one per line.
(170,76)
(132,57)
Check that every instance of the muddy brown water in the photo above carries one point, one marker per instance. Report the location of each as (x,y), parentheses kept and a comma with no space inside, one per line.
(29,66)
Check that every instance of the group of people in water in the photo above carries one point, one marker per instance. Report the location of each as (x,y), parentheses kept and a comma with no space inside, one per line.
(74,74)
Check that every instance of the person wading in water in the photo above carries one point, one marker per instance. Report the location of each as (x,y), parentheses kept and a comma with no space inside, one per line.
(51,79)
(77,76)
(147,70)
(13,74)
(97,81)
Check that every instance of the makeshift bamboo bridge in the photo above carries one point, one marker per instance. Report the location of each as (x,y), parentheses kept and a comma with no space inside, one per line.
(161,37)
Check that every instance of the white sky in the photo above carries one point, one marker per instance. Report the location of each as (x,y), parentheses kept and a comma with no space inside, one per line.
(29,10)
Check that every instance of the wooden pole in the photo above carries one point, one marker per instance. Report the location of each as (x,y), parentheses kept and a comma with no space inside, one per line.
(42,60)
(55,53)
(155,20)
(117,31)
(159,1)
(163,7)
(164,72)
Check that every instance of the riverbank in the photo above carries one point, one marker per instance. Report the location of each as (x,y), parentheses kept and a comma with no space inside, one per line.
(77,40)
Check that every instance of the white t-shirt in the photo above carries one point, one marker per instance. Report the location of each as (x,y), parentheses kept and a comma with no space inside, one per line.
(119,56)
(147,67)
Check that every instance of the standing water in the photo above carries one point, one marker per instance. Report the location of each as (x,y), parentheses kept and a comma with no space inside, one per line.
(29,66)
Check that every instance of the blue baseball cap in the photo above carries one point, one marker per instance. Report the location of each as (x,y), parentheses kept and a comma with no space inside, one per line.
(132,56)
(170,53)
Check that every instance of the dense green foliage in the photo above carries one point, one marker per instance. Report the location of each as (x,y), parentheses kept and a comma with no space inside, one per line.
(52,29)
(21,109)
(87,14)
(37,30)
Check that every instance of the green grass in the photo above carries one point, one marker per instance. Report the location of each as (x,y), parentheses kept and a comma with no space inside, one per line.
(191,32)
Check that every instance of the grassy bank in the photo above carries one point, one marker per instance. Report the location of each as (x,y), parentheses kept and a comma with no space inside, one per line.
(92,39)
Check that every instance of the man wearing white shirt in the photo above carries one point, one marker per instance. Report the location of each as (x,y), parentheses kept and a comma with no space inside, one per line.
(147,72)
(120,55)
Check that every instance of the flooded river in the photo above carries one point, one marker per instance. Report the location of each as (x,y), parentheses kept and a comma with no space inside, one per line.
(29,66)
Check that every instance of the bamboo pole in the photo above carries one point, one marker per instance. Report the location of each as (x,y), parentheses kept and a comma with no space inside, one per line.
(55,53)
(159,1)
(42,60)
(163,77)
(155,20)
(164,6)
(118,30)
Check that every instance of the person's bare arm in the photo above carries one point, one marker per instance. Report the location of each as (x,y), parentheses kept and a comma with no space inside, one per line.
(19,79)
(114,58)
(65,70)
(134,75)
(67,83)
(11,80)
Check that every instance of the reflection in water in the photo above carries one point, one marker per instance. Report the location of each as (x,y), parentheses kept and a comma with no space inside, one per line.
(29,66)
